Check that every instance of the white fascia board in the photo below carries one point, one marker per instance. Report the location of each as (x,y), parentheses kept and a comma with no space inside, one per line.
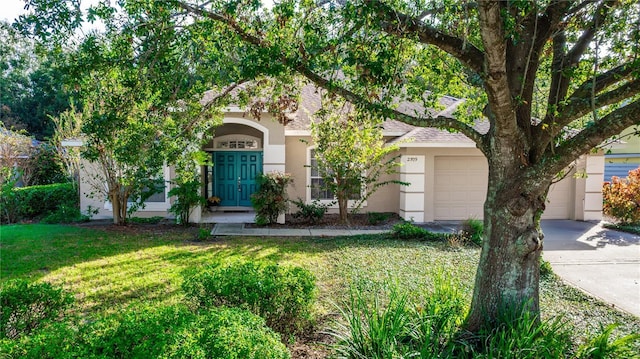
(72,142)
(394,133)
(234,109)
(439,145)
(308,133)
(297,132)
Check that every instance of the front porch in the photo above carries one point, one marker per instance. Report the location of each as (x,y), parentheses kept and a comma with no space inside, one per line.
(229,215)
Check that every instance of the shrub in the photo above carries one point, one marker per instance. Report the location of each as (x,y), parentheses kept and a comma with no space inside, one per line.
(622,198)
(228,333)
(311,212)
(473,230)
(271,198)
(142,333)
(55,341)
(375,218)
(281,295)
(155,332)
(65,214)
(36,201)
(26,306)
(45,167)
(177,332)
(408,230)
(10,203)
(187,198)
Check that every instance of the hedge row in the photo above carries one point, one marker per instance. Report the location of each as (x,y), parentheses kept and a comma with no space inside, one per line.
(25,203)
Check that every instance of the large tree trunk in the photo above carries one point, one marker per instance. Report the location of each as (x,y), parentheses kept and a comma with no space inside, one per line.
(508,273)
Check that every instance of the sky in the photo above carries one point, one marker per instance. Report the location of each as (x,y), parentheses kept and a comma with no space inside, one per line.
(11,9)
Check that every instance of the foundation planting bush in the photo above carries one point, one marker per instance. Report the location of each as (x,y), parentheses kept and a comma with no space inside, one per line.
(311,212)
(408,230)
(26,306)
(283,296)
(622,198)
(271,198)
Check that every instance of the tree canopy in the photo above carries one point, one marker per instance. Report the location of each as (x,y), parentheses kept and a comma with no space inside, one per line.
(552,78)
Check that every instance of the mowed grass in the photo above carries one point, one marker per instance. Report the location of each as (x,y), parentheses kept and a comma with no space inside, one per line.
(108,270)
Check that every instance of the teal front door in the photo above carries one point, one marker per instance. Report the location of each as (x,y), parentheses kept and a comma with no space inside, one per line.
(235,176)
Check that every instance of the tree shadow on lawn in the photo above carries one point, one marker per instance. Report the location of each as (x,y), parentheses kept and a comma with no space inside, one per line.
(36,250)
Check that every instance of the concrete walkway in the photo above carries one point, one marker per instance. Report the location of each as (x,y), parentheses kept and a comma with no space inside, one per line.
(239,229)
(602,262)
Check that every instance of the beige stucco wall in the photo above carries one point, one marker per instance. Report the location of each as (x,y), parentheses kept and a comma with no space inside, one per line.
(92,197)
(385,199)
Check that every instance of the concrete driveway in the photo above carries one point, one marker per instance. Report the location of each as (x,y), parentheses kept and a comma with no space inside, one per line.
(600,261)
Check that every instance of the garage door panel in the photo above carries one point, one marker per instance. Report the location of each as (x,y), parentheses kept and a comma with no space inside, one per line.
(559,200)
(460,187)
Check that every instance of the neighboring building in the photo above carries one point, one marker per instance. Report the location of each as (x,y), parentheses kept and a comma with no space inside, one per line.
(446,172)
(623,155)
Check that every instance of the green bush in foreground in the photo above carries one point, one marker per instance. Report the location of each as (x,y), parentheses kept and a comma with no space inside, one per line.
(26,306)
(156,332)
(282,296)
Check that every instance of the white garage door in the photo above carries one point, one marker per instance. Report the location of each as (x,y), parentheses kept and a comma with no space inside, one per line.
(559,200)
(460,187)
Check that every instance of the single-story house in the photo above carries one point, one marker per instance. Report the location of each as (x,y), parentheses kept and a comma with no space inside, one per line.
(446,172)
(622,155)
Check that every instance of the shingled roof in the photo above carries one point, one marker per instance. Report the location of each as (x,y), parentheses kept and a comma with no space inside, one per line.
(310,102)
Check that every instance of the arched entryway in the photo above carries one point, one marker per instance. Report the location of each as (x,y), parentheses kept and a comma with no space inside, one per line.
(237,157)
(232,178)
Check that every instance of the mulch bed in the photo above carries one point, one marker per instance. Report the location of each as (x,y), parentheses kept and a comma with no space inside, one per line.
(332,221)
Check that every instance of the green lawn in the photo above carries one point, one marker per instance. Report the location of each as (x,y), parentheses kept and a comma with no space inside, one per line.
(109,270)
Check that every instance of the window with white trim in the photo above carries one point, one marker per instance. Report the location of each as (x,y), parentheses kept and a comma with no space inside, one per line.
(237,142)
(318,191)
(316,184)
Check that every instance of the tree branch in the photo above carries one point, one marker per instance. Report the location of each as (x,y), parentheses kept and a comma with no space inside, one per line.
(496,82)
(602,81)
(562,62)
(590,137)
(581,106)
(297,65)
(438,122)
(402,25)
